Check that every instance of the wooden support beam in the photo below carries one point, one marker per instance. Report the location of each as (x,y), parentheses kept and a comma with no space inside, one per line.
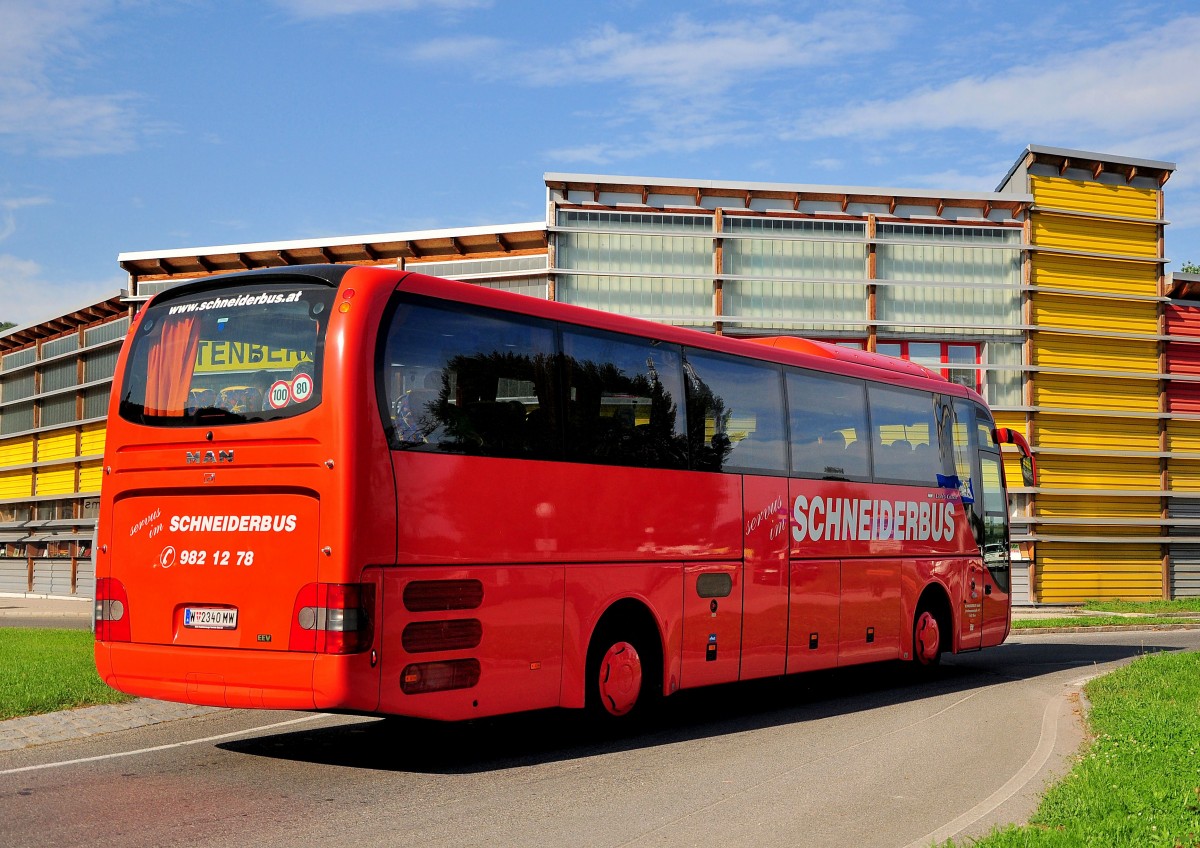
(1131,173)
(845,202)
(1066,163)
(413,250)
(164,267)
(645,195)
(796,202)
(244,261)
(941,204)
(457,245)
(892,206)
(503,244)
(205,264)
(1097,170)
(285,257)
(328,255)
(372,254)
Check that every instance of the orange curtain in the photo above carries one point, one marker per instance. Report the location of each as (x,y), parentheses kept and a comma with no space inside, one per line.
(170,367)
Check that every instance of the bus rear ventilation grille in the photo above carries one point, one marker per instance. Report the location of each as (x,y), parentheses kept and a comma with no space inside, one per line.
(442,595)
(421,637)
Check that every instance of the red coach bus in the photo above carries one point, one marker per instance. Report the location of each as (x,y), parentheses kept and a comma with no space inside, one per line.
(366,490)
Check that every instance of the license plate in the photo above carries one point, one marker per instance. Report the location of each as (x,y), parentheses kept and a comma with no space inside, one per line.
(208,618)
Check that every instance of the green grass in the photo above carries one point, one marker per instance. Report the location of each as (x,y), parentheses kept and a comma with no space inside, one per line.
(1092,621)
(1138,785)
(1184,605)
(46,670)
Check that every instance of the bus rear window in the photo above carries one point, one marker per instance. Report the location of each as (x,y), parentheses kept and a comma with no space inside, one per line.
(228,356)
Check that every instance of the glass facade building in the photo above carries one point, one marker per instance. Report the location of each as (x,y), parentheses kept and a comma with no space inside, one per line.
(1048,295)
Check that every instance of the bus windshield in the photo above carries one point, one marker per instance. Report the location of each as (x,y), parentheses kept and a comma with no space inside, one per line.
(248,353)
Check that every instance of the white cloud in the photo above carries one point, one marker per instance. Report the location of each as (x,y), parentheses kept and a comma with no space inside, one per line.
(690,86)
(8,208)
(695,57)
(25,292)
(344,8)
(40,48)
(1114,91)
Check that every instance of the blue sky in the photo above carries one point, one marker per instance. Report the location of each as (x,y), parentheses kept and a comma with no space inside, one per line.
(129,125)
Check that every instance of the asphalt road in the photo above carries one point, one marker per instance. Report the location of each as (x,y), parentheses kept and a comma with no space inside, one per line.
(861,757)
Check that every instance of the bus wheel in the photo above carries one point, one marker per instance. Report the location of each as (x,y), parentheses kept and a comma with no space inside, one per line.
(621,669)
(619,678)
(927,639)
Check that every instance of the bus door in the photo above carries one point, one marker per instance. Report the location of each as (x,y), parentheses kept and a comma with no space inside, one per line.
(996,571)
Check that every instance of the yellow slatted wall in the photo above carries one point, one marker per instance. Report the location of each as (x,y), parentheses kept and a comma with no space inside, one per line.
(1099,474)
(1097,432)
(90,474)
(1081,273)
(56,480)
(91,441)
(1085,354)
(1068,391)
(1120,238)
(1095,198)
(16,451)
(1067,506)
(1073,572)
(16,484)
(1095,313)
(1184,436)
(1070,571)
(59,444)
(1183,475)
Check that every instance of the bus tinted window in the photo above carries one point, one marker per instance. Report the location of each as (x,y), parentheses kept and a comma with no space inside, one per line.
(458,381)
(249,353)
(623,401)
(735,414)
(828,426)
(904,436)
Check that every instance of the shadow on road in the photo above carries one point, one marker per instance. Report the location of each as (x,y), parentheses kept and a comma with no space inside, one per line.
(528,739)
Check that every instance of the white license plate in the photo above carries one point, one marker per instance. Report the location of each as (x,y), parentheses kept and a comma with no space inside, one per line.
(207,618)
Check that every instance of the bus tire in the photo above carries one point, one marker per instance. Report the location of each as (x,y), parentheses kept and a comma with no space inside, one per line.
(622,672)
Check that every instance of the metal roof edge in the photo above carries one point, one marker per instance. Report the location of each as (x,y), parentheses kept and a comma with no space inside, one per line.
(1070,153)
(412,235)
(804,188)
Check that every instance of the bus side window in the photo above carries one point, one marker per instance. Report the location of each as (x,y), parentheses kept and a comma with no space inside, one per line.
(460,381)
(905,436)
(735,414)
(623,400)
(828,426)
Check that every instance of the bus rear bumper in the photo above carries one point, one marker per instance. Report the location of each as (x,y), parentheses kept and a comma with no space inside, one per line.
(214,677)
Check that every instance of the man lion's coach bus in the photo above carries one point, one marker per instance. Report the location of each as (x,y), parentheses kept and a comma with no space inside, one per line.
(366,490)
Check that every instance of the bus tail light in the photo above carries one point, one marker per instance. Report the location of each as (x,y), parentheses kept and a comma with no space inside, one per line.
(111,611)
(333,618)
(439,676)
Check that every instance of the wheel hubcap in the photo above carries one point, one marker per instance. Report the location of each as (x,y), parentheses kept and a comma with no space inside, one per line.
(928,638)
(620,678)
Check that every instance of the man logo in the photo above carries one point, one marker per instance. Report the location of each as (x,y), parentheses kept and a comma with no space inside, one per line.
(209,457)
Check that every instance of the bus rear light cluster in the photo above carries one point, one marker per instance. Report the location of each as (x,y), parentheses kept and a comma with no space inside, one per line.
(111,611)
(442,595)
(420,678)
(422,637)
(333,618)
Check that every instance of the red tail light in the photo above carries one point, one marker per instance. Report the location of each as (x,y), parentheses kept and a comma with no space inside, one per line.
(112,611)
(333,618)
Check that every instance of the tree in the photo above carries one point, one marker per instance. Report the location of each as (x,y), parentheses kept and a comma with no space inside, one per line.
(4,325)
(1190,268)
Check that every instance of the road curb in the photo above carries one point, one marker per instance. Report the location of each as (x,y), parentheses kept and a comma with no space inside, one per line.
(1104,628)
(67,725)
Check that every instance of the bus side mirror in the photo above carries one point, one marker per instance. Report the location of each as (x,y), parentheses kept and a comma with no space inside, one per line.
(1008,436)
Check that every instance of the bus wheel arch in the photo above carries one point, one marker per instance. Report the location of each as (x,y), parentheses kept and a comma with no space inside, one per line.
(624,662)
(932,629)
